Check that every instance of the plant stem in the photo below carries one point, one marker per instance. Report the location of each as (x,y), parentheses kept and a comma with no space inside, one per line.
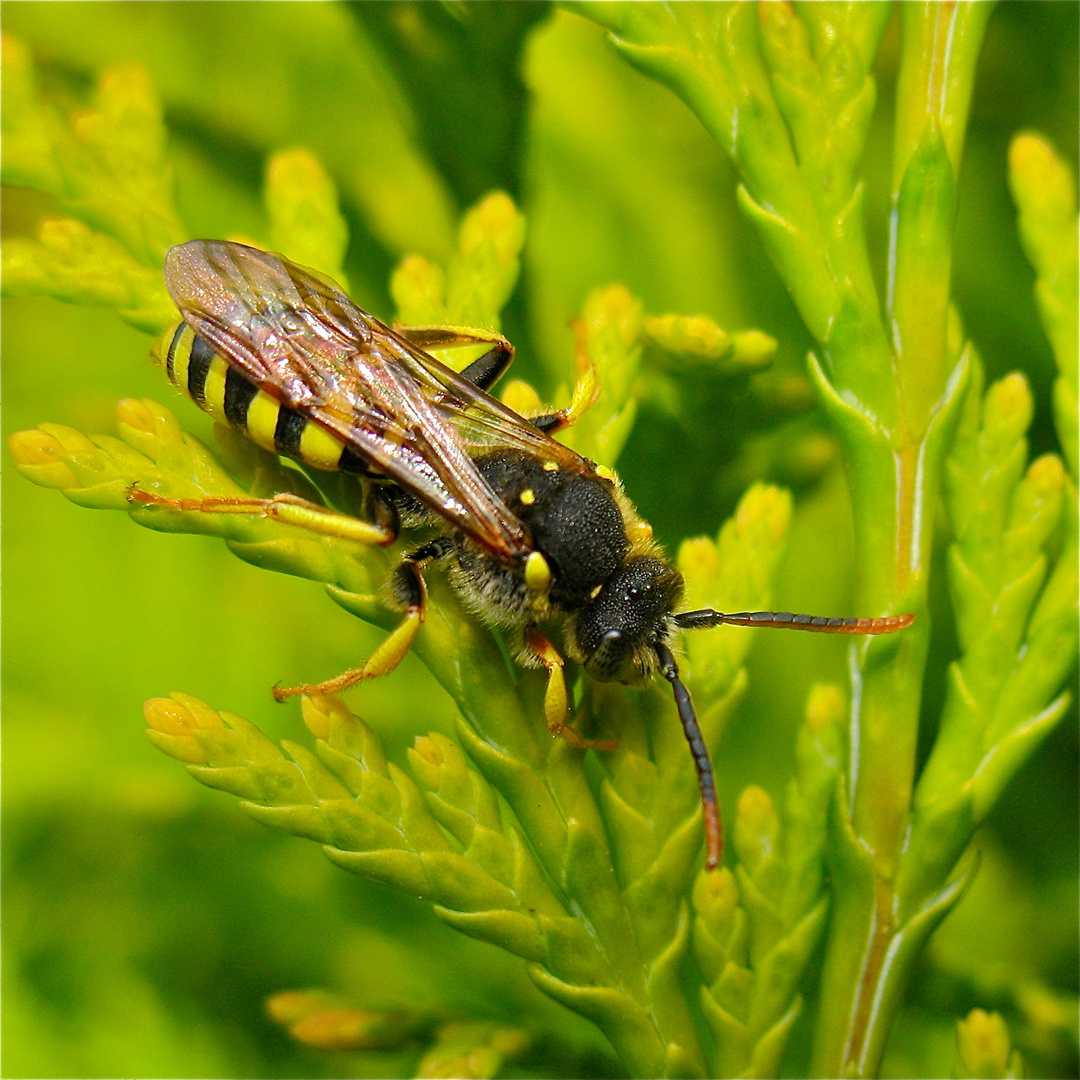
(871,949)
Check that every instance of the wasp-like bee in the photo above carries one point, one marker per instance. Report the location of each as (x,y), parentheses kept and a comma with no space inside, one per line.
(533,535)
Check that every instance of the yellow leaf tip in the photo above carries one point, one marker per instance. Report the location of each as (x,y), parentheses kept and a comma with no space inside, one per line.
(715,893)
(755,805)
(35,447)
(824,706)
(180,714)
(429,750)
(321,713)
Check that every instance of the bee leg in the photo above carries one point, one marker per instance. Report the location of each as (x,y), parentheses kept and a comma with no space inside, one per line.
(285,507)
(556,700)
(407,586)
(548,423)
(586,392)
(483,372)
(380,509)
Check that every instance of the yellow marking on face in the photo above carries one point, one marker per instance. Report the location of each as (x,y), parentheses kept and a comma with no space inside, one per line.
(528,496)
(319,448)
(537,572)
(550,466)
(262,417)
(214,388)
(596,592)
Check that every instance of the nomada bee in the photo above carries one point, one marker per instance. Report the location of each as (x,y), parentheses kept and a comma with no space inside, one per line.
(532,534)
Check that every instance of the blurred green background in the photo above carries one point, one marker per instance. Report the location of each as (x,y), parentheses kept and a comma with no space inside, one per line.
(145,918)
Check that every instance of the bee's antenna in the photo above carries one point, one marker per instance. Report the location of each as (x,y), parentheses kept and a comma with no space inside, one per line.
(714,830)
(785,620)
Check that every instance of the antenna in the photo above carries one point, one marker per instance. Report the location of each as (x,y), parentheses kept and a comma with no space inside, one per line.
(785,620)
(714,830)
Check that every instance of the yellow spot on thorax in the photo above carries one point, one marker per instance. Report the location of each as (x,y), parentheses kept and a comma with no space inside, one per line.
(528,497)
(537,572)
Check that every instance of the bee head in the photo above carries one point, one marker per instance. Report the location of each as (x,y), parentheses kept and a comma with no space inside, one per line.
(618,629)
(622,634)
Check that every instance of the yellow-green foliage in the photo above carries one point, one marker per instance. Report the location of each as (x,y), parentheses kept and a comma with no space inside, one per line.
(501,165)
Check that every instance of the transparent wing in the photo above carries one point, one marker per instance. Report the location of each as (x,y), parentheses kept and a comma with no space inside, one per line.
(298,336)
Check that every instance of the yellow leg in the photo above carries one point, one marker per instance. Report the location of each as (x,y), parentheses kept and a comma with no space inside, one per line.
(412,594)
(485,370)
(285,507)
(585,395)
(556,700)
(381,662)
(586,389)
(450,337)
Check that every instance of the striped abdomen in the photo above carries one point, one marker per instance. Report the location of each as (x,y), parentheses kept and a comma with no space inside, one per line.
(226,394)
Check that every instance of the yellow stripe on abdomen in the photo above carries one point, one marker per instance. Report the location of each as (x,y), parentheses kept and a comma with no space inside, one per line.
(319,448)
(214,388)
(222,390)
(262,417)
(172,351)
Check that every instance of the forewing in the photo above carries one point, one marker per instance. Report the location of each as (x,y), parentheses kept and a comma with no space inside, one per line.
(283,326)
(297,335)
(480,421)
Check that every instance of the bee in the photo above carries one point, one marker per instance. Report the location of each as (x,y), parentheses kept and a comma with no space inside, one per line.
(534,536)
